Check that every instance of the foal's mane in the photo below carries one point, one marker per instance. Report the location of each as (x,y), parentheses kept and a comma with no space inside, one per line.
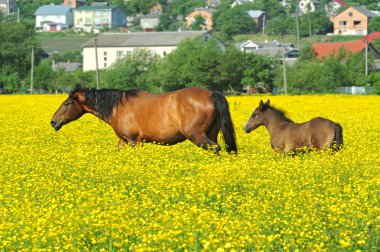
(104,100)
(281,113)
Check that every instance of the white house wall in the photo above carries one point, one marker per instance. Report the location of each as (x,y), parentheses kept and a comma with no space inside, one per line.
(54,19)
(107,55)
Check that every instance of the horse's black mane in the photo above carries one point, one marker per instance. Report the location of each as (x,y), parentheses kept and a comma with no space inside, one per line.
(104,100)
(281,113)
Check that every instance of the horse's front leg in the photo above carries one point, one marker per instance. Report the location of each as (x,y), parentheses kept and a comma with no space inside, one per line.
(121,142)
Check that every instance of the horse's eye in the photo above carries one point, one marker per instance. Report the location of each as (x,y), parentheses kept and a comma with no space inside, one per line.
(253,115)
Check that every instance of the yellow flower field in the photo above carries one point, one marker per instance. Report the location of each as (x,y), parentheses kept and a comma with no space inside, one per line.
(76,190)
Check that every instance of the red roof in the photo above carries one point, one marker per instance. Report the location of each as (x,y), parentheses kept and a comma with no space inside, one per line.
(370,37)
(340,2)
(324,49)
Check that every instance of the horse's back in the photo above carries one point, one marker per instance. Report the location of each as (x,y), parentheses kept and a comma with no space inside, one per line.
(322,132)
(170,117)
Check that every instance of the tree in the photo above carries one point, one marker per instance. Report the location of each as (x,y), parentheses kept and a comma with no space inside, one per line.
(281,25)
(259,71)
(138,7)
(233,21)
(374,24)
(44,75)
(198,23)
(167,23)
(315,22)
(16,45)
(193,63)
(125,73)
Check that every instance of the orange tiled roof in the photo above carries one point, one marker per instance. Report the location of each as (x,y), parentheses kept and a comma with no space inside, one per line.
(324,49)
(370,37)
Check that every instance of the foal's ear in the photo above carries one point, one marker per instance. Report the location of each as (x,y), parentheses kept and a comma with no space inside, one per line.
(261,103)
(266,105)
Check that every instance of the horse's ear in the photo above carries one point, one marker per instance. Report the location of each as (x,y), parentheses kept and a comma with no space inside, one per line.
(266,105)
(81,97)
(261,103)
(78,87)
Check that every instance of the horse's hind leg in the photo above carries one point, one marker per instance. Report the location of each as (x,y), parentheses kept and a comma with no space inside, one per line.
(212,134)
(203,141)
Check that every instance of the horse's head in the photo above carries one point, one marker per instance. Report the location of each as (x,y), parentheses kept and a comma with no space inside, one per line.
(71,109)
(257,118)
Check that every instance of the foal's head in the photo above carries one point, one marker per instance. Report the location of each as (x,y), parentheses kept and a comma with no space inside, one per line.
(257,117)
(71,109)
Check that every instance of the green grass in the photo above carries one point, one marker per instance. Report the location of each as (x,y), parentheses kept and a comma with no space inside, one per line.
(52,42)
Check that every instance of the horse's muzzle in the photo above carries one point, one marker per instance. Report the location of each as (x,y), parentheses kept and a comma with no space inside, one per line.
(247,129)
(56,125)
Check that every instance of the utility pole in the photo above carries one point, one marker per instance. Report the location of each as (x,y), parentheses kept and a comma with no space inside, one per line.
(96,62)
(283,66)
(297,26)
(366,54)
(264,23)
(31,71)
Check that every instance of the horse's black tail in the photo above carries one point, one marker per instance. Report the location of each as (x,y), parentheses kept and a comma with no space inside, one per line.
(223,118)
(338,138)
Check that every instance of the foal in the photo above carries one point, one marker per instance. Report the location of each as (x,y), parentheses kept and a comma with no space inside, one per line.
(287,136)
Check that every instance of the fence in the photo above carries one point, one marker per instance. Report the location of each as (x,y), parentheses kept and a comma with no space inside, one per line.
(355,90)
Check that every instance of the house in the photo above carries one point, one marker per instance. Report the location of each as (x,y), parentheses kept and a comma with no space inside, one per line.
(334,6)
(272,49)
(97,16)
(74,3)
(260,18)
(240,2)
(150,21)
(60,15)
(326,49)
(112,46)
(68,66)
(251,46)
(54,27)
(8,6)
(212,3)
(205,13)
(157,7)
(306,6)
(352,21)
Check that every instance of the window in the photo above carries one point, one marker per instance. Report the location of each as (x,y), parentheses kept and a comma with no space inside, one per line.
(105,53)
(343,22)
(129,52)
(350,14)
(105,64)
(105,58)
(357,23)
(119,54)
(164,53)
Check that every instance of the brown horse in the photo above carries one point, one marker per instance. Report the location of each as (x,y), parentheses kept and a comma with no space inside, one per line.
(136,116)
(287,136)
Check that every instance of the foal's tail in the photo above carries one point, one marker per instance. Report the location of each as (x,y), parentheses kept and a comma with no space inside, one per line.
(223,118)
(338,138)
